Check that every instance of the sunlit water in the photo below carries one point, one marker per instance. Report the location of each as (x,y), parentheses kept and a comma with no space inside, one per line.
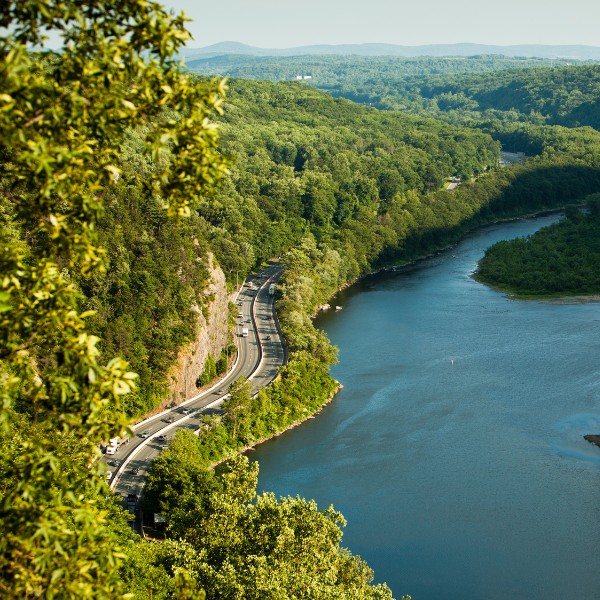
(455,450)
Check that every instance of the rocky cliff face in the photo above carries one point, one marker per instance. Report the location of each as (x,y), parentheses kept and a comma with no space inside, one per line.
(212,335)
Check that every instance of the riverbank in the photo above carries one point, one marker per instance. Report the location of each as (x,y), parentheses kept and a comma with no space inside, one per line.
(522,270)
(297,423)
(411,262)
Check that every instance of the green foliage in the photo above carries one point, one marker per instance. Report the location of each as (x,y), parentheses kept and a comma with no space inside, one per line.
(236,409)
(561,259)
(63,118)
(162,570)
(209,373)
(566,95)
(244,545)
(454,88)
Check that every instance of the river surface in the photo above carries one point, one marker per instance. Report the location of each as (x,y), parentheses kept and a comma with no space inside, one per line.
(455,449)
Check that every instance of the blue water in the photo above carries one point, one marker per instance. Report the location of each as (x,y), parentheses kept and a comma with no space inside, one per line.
(455,449)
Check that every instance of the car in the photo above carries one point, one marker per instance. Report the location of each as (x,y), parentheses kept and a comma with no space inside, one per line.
(109,475)
(163,446)
(268,337)
(186,411)
(162,438)
(170,420)
(135,471)
(115,463)
(248,320)
(145,434)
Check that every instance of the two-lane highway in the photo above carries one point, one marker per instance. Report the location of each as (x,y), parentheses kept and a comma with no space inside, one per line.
(260,354)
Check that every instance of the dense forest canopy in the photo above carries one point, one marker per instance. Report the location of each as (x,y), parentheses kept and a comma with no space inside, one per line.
(558,91)
(559,260)
(341,72)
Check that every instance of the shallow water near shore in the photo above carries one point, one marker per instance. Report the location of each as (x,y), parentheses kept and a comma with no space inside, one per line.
(455,450)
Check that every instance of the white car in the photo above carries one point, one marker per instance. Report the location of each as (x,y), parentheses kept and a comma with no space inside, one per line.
(109,475)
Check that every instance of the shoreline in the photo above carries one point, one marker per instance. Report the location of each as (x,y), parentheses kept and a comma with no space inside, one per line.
(253,445)
(418,259)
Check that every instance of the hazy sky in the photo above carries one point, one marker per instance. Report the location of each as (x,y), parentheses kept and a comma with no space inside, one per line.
(286,23)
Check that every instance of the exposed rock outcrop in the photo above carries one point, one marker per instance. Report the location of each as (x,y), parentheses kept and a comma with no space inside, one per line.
(212,336)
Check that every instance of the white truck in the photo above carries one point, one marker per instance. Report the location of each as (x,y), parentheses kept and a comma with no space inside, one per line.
(272,289)
(114,444)
(244,332)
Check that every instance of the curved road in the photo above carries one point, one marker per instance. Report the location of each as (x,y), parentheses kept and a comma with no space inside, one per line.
(260,355)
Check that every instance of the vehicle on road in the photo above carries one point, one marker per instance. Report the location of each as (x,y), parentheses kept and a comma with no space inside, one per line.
(268,337)
(135,471)
(186,411)
(272,289)
(248,320)
(115,443)
(170,420)
(162,438)
(115,463)
(109,475)
(244,332)
(145,434)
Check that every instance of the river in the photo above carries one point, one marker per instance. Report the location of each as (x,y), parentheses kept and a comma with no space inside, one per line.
(455,449)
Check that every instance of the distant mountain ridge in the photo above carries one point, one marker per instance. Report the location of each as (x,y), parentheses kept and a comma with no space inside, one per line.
(578,52)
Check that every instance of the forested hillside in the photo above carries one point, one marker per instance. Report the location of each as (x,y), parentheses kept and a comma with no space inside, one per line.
(114,187)
(355,73)
(458,89)
(565,96)
(304,162)
(557,92)
(560,260)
